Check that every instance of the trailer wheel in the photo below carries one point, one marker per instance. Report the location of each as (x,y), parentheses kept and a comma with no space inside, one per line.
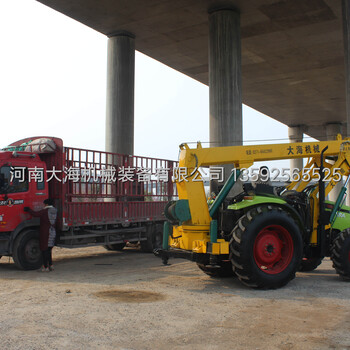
(309,264)
(266,248)
(154,235)
(225,269)
(340,254)
(26,250)
(116,246)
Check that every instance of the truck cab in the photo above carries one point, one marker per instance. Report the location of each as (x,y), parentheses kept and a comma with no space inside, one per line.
(22,184)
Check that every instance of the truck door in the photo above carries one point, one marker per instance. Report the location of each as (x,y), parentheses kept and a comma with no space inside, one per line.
(18,189)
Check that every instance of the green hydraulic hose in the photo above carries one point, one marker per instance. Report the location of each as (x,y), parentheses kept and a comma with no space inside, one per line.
(339,201)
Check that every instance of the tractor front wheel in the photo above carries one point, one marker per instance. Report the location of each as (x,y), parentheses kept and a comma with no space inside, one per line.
(115,246)
(309,264)
(224,269)
(266,248)
(154,235)
(340,254)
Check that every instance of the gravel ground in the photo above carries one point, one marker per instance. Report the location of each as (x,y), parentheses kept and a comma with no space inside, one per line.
(98,299)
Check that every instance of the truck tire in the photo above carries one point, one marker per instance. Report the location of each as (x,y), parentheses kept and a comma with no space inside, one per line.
(225,269)
(266,248)
(340,254)
(116,246)
(309,264)
(154,235)
(26,251)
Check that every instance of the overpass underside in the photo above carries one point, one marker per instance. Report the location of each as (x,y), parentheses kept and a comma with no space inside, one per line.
(286,58)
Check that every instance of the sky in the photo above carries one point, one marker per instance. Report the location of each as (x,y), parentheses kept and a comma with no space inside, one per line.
(53,82)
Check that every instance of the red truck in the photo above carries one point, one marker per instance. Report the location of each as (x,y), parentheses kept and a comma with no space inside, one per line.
(102,198)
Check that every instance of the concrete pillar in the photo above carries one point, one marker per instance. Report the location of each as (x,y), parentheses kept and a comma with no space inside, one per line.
(120,93)
(295,134)
(332,130)
(346,37)
(225,81)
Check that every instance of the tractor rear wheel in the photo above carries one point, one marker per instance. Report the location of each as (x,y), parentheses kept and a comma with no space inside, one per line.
(340,254)
(309,264)
(224,269)
(266,248)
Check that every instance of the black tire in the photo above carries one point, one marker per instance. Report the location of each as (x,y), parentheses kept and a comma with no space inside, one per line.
(115,247)
(309,264)
(225,269)
(26,250)
(340,254)
(266,248)
(154,235)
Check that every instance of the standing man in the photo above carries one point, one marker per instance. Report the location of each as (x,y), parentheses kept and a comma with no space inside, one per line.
(47,236)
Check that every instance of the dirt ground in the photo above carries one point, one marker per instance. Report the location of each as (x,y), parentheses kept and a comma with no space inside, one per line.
(98,299)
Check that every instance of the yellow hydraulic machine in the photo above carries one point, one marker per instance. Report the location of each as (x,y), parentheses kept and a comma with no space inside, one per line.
(263,234)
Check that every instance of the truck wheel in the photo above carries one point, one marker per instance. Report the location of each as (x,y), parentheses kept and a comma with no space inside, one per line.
(154,235)
(266,248)
(26,250)
(309,264)
(340,254)
(225,269)
(116,246)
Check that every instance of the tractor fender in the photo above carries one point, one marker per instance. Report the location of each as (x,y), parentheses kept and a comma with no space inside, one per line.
(246,205)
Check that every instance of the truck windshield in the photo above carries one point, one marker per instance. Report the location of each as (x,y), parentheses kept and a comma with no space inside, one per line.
(18,183)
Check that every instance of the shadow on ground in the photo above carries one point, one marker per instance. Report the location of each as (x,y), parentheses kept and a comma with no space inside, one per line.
(131,267)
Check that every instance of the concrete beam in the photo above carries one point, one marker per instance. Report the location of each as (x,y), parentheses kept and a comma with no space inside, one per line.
(333,129)
(120,93)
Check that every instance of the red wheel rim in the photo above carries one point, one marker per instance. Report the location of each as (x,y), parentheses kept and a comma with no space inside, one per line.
(273,249)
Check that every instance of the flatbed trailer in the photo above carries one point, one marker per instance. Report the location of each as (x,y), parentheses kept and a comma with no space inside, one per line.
(102,198)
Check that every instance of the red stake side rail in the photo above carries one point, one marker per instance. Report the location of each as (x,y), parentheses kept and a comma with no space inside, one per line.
(105,188)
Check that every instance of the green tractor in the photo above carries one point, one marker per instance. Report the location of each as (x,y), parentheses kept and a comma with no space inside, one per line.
(264,234)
